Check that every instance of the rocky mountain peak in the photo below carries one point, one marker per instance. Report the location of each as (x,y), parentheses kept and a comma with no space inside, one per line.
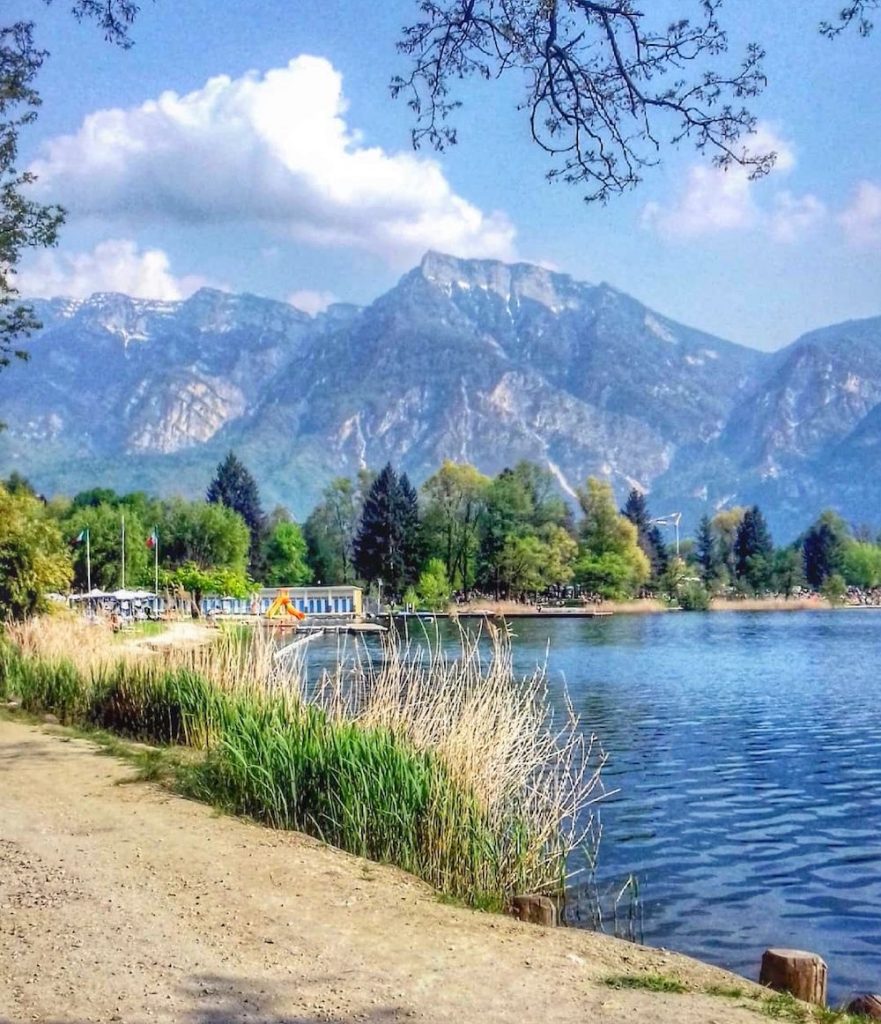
(511,282)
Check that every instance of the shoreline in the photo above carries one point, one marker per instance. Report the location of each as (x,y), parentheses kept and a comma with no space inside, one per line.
(192,915)
(642,606)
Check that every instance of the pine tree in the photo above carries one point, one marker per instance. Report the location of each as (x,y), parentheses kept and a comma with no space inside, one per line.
(648,534)
(411,530)
(754,550)
(234,487)
(823,549)
(387,544)
(706,550)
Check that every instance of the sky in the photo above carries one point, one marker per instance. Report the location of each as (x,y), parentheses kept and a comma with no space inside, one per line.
(255,147)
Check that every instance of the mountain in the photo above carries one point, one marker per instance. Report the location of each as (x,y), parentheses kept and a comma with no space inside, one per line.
(467,359)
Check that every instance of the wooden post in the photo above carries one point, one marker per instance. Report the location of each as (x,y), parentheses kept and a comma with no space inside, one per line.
(866,1005)
(795,971)
(536,910)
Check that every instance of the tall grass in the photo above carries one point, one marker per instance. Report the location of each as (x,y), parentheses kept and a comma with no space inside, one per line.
(449,767)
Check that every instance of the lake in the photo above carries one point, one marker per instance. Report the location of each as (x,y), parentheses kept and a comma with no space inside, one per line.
(746,752)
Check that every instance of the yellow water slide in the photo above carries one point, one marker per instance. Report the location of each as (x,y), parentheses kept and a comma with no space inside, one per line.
(284,605)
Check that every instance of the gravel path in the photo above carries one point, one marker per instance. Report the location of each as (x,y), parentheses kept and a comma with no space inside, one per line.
(126,903)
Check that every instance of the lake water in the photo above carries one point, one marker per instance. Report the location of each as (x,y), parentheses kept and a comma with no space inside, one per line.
(746,751)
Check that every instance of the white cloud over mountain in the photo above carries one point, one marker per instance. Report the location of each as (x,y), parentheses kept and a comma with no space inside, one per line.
(713,200)
(312,302)
(116,265)
(273,149)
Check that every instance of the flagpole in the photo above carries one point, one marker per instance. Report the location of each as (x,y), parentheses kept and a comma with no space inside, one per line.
(88,561)
(123,552)
(156,561)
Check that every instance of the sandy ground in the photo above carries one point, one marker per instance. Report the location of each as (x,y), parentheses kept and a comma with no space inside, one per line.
(126,903)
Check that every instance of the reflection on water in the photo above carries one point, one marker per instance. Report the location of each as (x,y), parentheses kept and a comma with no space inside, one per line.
(746,752)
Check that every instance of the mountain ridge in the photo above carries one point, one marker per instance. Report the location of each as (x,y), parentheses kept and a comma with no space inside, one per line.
(475,360)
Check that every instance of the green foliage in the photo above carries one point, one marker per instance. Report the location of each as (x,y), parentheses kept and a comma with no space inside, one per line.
(788,571)
(861,564)
(454,505)
(648,534)
(725,525)
(610,562)
(104,524)
(693,597)
(197,581)
(387,544)
(234,487)
(754,552)
(292,766)
(34,559)
(434,589)
(648,982)
(823,546)
(520,502)
(330,532)
(834,589)
(210,536)
(284,557)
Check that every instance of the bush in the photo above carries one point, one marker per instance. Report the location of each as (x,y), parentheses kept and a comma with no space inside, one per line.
(693,597)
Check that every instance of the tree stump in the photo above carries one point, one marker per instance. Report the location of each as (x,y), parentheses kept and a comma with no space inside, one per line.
(535,910)
(866,1005)
(801,974)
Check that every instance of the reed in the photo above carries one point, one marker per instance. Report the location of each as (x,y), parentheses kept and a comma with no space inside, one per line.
(449,767)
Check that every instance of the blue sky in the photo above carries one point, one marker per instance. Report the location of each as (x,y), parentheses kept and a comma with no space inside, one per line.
(255,147)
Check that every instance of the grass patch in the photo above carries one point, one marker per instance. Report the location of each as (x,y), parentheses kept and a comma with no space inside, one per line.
(648,982)
(725,991)
(450,769)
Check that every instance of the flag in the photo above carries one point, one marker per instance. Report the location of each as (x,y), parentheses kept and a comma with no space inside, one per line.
(79,539)
(153,539)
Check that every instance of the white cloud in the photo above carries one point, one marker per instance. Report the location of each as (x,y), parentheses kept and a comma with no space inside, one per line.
(861,219)
(714,200)
(311,302)
(793,216)
(271,148)
(116,265)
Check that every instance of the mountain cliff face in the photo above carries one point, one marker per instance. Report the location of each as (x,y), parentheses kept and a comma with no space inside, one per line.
(471,360)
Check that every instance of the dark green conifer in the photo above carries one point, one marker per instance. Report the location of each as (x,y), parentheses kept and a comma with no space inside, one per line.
(234,487)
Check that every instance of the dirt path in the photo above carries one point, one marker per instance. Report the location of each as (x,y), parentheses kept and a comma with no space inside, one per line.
(125,903)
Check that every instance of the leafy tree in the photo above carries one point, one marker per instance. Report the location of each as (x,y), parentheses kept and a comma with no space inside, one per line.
(330,532)
(196,582)
(834,588)
(104,524)
(725,526)
(18,484)
(209,536)
(706,552)
(234,487)
(284,556)
(507,513)
(560,555)
(788,571)
(521,565)
(648,534)
(610,562)
(34,561)
(754,551)
(434,589)
(454,504)
(96,496)
(385,546)
(861,564)
(823,548)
